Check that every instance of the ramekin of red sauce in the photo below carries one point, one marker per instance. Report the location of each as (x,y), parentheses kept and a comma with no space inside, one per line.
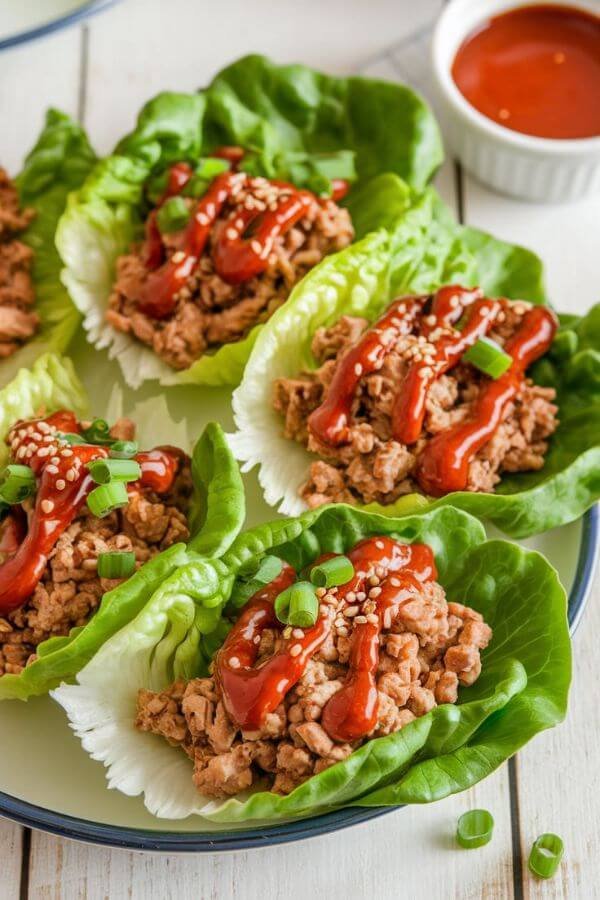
(519,87)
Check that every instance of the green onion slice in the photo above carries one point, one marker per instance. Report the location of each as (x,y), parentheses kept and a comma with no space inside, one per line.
(333,572)
(17,483)
(173,215)
(104,471)
(116,564)
(269,569)
(475,828)
(489,357)
(123,449)
(107,497)
(298,605)
(97,433)
(71,438)
(546,854)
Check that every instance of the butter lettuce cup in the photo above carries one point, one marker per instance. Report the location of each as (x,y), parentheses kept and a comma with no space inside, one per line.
(95,513)
(183,242)
(36,314)
(355,659)
(423,365)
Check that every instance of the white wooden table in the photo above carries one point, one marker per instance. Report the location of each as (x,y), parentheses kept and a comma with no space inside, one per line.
(102,72)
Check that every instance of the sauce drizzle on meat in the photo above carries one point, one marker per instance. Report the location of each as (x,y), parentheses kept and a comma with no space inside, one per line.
(63,486)
(443,465)
(250,693)
(242,247)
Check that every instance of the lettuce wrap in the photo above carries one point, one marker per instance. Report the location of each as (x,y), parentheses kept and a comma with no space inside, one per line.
(417,251)
(279,114)
(522,690)
(59,163)
(215,516)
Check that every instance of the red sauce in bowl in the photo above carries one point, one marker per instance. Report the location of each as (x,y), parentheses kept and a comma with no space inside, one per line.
(535,69)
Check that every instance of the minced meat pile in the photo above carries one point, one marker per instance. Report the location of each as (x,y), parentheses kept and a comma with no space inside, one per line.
(210,312)
(428,647)
(70,590)
(371,466)
(17,322)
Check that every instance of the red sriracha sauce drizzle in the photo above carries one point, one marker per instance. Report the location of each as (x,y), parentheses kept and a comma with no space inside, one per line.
(251,692)
(63,486)
(444,463)
(242,247)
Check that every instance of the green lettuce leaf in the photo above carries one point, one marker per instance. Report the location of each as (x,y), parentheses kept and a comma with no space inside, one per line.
(217,515)
(423,249)
(276,111)
(59,163)
(522,690)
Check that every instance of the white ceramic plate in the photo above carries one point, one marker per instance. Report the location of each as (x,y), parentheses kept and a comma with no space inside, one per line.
(25,20)
(49,782)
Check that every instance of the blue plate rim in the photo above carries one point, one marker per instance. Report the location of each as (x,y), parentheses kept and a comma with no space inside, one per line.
(87,9)
(119,837)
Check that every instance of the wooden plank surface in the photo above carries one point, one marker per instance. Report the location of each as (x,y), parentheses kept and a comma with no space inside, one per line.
(11,846)
(409,853)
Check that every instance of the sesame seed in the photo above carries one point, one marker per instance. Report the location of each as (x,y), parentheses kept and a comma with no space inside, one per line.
(256,246)
(21,452)
(361,620)
(47,506)
(320,592)
(373,580)
(343,631)
(234,662)
(67,453)
(351,611)
(430,320)
(287,632)
(202,219)
(372,619)
(350,597)
(374,592)
(454,301)
(295,650)
(380,571)
(61,484)
(380,545)
(323,609)
(178,257)
(53,470)
(44,427)
(41,451)
(360,596)
(395,582)
(297,633)
(358,369)
(256,639)
(232,234)
(30,429)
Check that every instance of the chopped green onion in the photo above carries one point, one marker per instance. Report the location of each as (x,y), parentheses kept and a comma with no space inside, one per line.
(17,483)
(298,605)
(116,564)
(196,187)
(123,449)
(105,470)
(98,432)
(211,166)
(71,438)
(546,854)
(332,572)
(475,828)
(173,215)
(107,497)
(489,357)
(270,567)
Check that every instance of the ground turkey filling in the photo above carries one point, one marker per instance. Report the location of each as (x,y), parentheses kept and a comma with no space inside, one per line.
(70,589)
(209,312)
(428,648)
(17,322)
(373,467)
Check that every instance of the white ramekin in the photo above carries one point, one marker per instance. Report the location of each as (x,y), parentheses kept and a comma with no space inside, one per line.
(531,168)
